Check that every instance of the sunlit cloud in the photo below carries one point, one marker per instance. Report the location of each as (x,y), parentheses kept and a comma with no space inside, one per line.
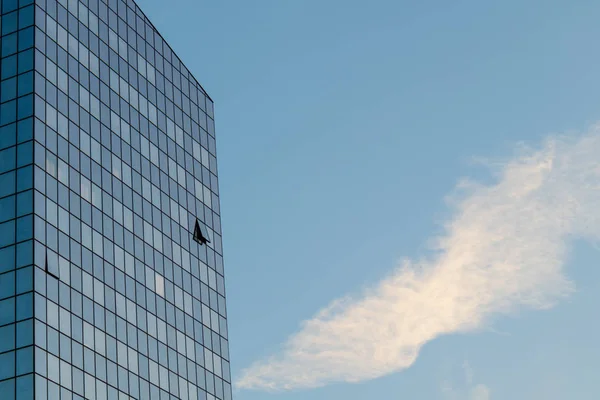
(503,249)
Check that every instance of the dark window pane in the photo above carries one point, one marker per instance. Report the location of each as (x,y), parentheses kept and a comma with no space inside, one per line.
(25,61)
(24,254)
(24,203)
(8,89)
(25,306)
(7,183)
(7,365)
(26,17)
(7,208)
(8,159)
(9,44)
(8,136)
(9,67)
(7,260)
(25,387)
(24,360)
(24,178)
(26,38)
(24,229)
(9,5)
(25,107)
(7,233)
(25,83)
(25,130)
(24,154)
(24,280)
(7,285)
(7,388)
(7,312)
(25,333)
(8,114)
(7,338)
(9,23)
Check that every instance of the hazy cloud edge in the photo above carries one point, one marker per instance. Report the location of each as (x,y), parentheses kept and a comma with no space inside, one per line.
(503,248)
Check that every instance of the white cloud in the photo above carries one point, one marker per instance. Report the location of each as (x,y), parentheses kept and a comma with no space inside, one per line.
(503,249)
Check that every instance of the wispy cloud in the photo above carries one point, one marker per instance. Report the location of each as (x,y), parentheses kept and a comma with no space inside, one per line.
(465,389)
(480,392)
(504,248)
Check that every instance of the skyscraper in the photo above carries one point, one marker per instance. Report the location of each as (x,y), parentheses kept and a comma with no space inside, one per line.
(111,267)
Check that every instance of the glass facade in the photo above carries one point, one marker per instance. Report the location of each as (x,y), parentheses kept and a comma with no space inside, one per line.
(111,267)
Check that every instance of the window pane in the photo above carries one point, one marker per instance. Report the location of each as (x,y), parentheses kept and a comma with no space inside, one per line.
(7,388)
(159,285)
(8,157)
(7,208)
(25,387)
(25,306)
(7,233)
(7,365)
(25,333)
(7,338)
(24,360)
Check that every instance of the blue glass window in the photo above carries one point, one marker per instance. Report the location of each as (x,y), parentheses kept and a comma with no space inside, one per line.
(24,253)
(9,44)
(25,306)
(25,107)
(25,387)
(7,311)
(7,285)
(7,388)
(7,260)
(25,83)
(24,178)
(8,113)
(24,203)
(7,183)
(24,280)
(7,233)
(9,23)
(26,38)
(25,130)
(8,136)
(25,61)
(7,338)
(8,90)
(24,154)
(26,17)
(8,159)
(24,360)
(9,66)
(25,333)
(7,365)
(9,5)
(24,229)
(7,208)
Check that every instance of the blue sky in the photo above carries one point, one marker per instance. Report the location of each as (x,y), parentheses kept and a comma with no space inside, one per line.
(346,132)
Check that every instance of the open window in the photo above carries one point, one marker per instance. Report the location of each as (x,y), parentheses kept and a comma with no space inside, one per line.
(200,233)
(51,269)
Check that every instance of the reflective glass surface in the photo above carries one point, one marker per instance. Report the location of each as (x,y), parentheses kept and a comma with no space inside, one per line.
(16,199)
(107,160)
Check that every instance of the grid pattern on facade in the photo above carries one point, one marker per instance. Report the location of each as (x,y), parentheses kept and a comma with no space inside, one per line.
(16,199)
(126,304)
